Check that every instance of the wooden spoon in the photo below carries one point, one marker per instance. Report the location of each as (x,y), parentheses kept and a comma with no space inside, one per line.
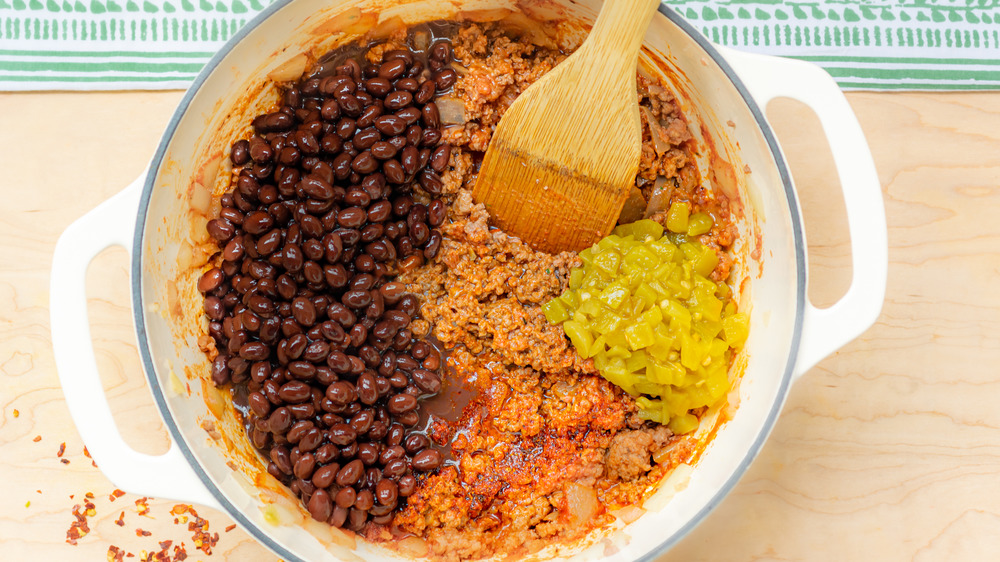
(564,156)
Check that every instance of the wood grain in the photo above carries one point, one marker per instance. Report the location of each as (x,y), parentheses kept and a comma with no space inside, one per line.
(888,450)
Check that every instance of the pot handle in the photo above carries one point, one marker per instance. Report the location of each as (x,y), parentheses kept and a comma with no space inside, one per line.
(824,330)
(165,476)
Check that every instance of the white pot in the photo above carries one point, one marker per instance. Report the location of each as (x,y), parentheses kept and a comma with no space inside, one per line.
(717,86)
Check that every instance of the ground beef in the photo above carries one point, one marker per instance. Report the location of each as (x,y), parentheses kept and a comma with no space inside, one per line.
(485,291)
(629,454)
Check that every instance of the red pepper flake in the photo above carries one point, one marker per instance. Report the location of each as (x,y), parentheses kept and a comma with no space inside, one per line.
(179,509)
(39,491)
(203,540)
(121,520)
(142,533)
(141,506)
(79,528)
(62,449)
(231,527)
(115,554)
(115,495)
(86,453)
(89,495)
(64,461)
(37,438)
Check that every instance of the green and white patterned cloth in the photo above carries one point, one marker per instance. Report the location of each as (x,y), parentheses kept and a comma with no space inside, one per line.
(162,44)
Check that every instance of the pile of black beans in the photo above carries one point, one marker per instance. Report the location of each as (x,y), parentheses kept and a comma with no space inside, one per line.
(308,322)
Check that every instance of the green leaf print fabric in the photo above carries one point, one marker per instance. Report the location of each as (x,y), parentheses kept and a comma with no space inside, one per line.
(163,44)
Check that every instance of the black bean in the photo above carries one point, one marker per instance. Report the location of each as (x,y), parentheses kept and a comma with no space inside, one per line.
(365,138)
(345,497)
(416,442)
(378,86)
(430,181)
(342,434)
(392,69)
(364,502)
(279,422)
(352,217)
(220,370)
(390,125)
(439,158)
(401,403)
(351,473)
(239,154)
(339,517)
(428,381)
(409,115)
(232,215)
(382,150)
(254,351)
(268,243)
(364,163)
(431,116)
(407,485)
(427,460)
(330,110)
(331,144)
(398,100)
(356,299)
(394,468)
(441,51)
(414,134)
(295,392)
(394,171)
(221,229)
(426,92)
(446,79)
(320,506)
(386,492)
(410,159)
(419,233)
(341,392)
(260,150)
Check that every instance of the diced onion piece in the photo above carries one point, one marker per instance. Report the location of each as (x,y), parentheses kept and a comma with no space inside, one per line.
(290,70)
(659,197)
(421,40)
(387,27)
(660,143)
(451,111)
(634,207)
(630,513)
(581,503)
(532,29)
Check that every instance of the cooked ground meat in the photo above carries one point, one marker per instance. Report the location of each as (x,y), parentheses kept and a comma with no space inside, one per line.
(485,291)
(629,453)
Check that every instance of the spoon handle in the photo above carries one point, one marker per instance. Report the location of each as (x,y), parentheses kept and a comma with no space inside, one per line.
(620,28)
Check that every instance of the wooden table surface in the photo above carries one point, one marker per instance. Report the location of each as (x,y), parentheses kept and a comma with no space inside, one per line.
(887,450)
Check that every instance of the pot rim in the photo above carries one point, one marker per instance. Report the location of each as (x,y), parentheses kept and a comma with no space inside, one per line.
(160,399)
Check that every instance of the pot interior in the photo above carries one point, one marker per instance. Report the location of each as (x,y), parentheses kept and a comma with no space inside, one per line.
(737,154)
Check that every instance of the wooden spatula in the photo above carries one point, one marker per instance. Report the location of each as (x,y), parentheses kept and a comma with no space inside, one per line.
(564,156)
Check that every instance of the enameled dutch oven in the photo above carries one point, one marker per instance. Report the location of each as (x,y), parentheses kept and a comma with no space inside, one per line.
(160,218)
